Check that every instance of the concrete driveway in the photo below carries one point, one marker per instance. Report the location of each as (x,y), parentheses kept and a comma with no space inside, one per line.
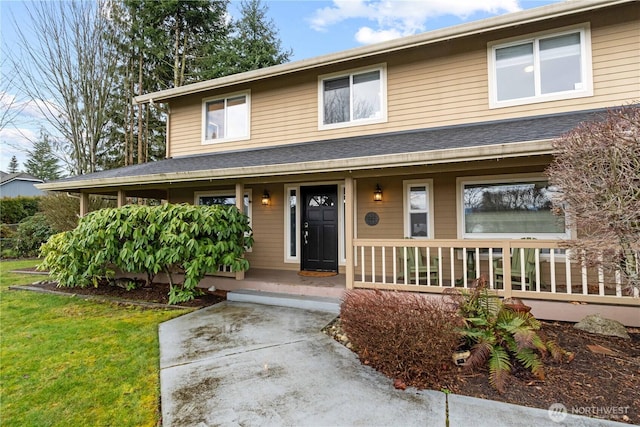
(243,364)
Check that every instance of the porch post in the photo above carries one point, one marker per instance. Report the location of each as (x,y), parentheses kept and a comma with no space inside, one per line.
(348,229)
(122,198)
(240,206)
(84,204)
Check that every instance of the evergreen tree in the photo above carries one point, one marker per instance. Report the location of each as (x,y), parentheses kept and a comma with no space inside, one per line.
(41,161)
(13,165)
(254,43)
(161,45)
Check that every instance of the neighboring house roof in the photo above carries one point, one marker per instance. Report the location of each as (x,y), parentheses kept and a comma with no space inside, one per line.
(6,178)
(478,141)
(450,33)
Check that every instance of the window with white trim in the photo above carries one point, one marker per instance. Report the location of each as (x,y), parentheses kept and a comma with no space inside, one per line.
(226,118)
(224,198)
(509,208)
(356,97)
(544,67)
(418,202)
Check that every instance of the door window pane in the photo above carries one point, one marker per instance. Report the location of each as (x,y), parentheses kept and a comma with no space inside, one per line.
(293,202)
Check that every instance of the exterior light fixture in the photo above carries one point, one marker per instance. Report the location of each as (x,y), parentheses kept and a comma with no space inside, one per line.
(266,199)
(377,194)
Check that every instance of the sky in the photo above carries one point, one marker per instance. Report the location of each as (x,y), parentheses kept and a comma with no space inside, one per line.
(308,27)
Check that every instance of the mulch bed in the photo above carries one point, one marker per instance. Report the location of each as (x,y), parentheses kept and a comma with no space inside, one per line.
(158,293)
(593,384)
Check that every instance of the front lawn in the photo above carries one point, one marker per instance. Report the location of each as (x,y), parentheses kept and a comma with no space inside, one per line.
(69,362)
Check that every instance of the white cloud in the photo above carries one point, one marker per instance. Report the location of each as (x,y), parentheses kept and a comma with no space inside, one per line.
(366,35)
(397,18)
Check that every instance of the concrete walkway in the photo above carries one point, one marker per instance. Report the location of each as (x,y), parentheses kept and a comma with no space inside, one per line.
(244,364)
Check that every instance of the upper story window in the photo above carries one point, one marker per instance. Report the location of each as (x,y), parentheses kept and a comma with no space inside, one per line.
(544,67)
(226,118)
(358,97)
(508,207)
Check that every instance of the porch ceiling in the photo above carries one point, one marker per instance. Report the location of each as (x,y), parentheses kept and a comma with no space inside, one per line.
(479,141)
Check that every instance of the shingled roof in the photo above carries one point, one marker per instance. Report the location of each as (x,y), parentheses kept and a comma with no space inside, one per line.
(369,151)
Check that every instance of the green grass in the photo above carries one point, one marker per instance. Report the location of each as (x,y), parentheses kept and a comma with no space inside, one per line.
(70,362)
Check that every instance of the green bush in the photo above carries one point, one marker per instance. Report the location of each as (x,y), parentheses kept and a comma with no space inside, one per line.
(501,336)
(31,234)
(404,335)
(15,209)
(193,240)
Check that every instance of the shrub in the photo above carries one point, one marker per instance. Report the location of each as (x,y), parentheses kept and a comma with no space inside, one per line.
(193,240)
(15,209)
(62,211)
(31,234)
(404,335)
(501,337)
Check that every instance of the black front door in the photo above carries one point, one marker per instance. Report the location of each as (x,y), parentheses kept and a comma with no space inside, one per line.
(320,228)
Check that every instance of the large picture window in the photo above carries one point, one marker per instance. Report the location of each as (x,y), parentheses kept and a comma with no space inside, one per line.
(512,208)
(418,222)
(358,97)
(542,68)
(226,118)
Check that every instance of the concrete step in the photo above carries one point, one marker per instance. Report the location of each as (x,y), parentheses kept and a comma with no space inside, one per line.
(331,305)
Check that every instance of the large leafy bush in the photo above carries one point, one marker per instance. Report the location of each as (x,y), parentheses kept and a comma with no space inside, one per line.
(193,240)
(32,232)
(15,209)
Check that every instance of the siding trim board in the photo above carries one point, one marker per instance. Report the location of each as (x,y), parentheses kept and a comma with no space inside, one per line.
(479,141)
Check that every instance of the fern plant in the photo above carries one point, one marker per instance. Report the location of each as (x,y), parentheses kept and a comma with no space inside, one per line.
(501,337)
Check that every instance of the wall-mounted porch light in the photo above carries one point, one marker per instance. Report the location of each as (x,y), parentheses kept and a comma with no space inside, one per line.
(266,199)
(377,194)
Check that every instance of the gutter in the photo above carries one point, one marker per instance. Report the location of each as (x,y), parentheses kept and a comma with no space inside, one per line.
(565,8)
(462,154)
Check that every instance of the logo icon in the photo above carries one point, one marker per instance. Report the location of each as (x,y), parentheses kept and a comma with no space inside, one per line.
(557,412)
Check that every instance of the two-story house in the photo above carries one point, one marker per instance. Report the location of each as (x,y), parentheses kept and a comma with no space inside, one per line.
(415,164)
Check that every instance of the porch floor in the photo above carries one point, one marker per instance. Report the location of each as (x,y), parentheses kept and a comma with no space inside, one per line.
(281,281)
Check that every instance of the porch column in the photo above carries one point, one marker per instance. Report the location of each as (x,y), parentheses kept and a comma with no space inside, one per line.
(240,206)
(122,198)
(348,229)
(84,204)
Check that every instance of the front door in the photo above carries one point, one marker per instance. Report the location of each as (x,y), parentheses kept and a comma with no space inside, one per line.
(320,228)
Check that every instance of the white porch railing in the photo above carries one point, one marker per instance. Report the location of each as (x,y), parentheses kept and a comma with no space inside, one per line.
(544,270)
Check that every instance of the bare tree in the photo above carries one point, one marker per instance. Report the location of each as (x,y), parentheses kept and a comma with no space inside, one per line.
(10,107)
(597,172)
(67,70)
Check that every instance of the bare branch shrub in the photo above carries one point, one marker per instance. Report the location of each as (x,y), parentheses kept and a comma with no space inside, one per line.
(597,173)
(404,335)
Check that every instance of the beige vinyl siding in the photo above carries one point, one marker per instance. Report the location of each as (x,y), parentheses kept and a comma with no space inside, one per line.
(436,85)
